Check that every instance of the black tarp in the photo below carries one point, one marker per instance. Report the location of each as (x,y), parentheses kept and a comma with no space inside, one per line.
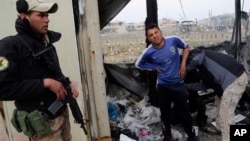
(128,77)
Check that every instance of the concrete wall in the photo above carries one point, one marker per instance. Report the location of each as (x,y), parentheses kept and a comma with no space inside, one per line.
(63,22)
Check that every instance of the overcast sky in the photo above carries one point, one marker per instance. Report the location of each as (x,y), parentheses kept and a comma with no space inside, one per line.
(135,10)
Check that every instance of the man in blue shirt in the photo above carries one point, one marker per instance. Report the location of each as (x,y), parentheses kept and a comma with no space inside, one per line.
(163,56)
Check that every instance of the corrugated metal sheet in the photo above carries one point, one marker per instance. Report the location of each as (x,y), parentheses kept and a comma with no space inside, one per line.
(108,9)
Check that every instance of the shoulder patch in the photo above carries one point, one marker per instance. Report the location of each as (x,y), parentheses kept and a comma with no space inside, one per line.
(4,63)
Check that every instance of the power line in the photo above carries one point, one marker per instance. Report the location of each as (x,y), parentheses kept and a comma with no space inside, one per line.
(182,10)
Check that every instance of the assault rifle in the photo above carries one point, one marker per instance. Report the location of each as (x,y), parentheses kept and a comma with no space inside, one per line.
(55,106)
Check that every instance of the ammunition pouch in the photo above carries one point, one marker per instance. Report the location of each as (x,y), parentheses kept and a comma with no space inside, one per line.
(31,124)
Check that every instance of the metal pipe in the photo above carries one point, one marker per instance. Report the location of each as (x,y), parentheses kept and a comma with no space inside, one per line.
(152,17)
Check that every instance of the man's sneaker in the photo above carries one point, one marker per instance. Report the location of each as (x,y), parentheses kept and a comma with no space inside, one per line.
(167,138)
(210,129)
(194,138)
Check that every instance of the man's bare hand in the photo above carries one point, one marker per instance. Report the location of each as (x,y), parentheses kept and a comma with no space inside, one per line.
(56,87)
(158,70)
(74,91)
(182,72)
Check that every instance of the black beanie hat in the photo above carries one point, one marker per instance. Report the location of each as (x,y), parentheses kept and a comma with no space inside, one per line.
(22,6)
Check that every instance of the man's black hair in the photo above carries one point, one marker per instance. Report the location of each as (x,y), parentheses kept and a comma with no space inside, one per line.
(150,26)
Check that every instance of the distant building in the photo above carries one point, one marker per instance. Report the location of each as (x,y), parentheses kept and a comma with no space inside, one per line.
(114,27)
(186,26)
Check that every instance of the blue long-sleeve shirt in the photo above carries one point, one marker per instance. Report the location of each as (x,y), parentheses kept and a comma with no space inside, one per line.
(167,59)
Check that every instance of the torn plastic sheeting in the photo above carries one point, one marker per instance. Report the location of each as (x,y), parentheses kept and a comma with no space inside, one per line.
(125,138)
(141,120)
(113,111)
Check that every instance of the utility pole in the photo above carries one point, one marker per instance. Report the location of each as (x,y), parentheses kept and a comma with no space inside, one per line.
(152,17)
(237,28)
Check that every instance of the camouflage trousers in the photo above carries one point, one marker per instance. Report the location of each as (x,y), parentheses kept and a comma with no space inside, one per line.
(227,104)
(60,129)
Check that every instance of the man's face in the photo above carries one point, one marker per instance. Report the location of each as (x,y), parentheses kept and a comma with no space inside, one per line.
(154,35)
(39,22)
